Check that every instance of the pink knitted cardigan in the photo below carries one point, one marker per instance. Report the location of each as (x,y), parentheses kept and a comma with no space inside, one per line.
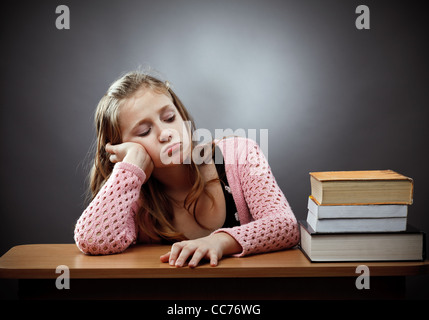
(108,224)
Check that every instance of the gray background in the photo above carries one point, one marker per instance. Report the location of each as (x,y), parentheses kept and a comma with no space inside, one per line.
(332,97)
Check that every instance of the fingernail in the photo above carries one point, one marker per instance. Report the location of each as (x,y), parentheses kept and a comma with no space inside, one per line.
(171,262)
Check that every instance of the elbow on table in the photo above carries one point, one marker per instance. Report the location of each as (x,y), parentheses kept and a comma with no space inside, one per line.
(91,244)
(294,234)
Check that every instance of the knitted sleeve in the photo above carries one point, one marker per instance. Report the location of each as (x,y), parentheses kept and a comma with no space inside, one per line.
(274,226)
(107,225)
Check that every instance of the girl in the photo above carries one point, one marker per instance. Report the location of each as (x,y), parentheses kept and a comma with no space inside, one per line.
(148,188)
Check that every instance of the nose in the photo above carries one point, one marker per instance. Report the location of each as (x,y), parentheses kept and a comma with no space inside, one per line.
(165,135)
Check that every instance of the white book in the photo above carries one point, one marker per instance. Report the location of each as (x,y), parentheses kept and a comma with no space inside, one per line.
(357,211)
(356,225)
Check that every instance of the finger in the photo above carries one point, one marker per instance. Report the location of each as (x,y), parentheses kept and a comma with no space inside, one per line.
(165,257)
(186,252)
(213,258)
(109,148)
(113,158)
(175,251)
(196,258)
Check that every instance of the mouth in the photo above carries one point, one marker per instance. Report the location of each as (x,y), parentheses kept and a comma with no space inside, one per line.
(170,149)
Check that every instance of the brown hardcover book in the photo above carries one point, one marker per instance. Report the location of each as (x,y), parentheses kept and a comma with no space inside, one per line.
(361,187)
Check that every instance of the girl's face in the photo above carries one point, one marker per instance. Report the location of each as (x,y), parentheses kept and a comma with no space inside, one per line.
(152,120)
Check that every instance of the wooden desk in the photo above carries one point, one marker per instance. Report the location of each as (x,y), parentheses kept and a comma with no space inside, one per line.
(138,273)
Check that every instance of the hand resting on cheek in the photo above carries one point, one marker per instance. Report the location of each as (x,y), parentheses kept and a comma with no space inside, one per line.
(133,153)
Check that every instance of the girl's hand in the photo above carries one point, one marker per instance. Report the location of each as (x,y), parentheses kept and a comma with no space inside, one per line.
(133,153)
(212,247)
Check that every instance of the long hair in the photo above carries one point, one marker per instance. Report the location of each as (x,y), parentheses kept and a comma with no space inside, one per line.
(156,214)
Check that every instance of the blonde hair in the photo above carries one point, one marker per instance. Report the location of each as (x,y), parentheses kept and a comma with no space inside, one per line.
(156,214)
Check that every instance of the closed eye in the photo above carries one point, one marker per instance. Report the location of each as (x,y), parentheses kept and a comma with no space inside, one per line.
(145,133)
(168,118)
(171,119)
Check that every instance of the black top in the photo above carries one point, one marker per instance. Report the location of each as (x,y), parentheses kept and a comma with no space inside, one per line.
(231,219)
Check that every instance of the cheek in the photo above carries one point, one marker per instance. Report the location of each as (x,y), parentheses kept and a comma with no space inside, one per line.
(149,146)
(183,130)
(152,150)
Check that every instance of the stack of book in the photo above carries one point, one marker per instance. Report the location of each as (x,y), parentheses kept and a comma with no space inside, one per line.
(360,216)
